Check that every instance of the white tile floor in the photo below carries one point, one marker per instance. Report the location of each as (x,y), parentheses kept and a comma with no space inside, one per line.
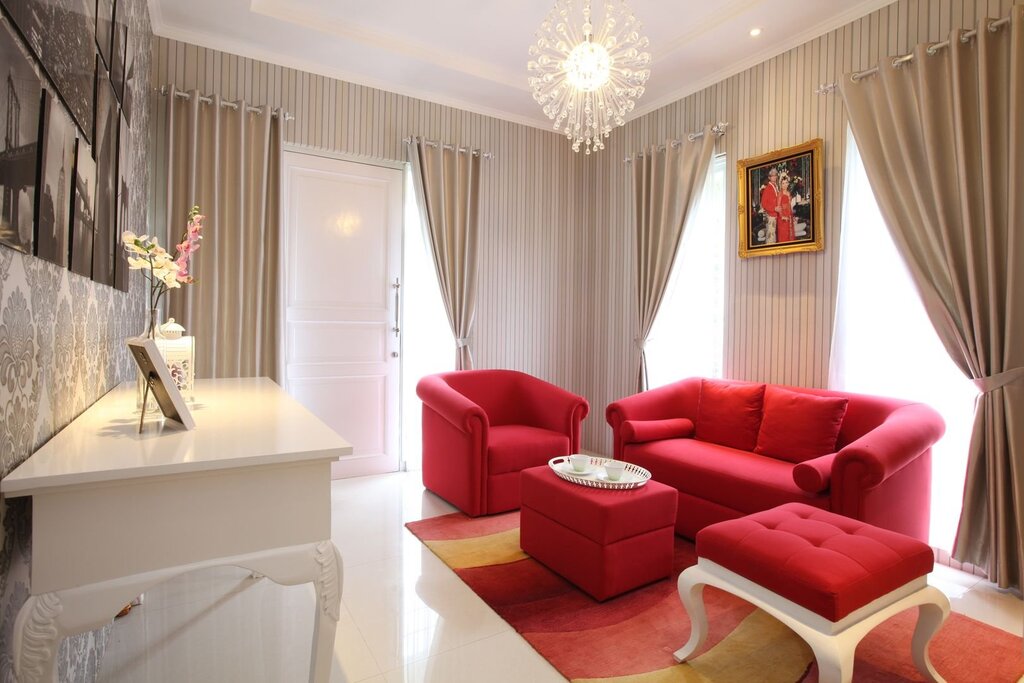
(405,615)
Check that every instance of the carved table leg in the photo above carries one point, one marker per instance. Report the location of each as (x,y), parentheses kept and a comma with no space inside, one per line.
(328,609)
(36,638)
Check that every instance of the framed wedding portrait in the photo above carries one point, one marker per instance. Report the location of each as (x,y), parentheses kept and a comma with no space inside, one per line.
(781,201)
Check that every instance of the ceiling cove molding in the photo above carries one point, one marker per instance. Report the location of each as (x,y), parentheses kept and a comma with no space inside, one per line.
(389,42)
(246,49)
(723,14)
(859,10)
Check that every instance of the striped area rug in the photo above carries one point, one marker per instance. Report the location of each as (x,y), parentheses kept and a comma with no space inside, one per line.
(630,639)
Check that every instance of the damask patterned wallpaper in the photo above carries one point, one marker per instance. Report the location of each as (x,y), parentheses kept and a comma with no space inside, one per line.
(62,348)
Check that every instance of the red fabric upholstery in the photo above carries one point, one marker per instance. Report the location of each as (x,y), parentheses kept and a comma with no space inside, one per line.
(641,431)
(729,414)
(738,480)
(515,447)
(798,427)
(604,542)
(830,564)
(880,472)
(480,427)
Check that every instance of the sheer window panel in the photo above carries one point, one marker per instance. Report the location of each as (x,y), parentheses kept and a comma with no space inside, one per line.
(884,343)
(688,334)
(427,343)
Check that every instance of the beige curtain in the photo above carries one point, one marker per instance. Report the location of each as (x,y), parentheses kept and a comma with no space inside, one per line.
(667,181)
(227,161)
(446,181)
(942,137)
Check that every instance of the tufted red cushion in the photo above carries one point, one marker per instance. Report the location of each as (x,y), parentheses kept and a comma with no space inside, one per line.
(830,564)
(729,414)
(601,515)
(642,431)
(798,427)
(515,447)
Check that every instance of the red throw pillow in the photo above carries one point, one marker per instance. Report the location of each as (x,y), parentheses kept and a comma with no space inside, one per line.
(642,431)
(798,427)
(729,414)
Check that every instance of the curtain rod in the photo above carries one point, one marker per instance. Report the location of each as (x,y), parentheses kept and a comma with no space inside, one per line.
(205,99)
(461,150)
(966,36)
(717,129)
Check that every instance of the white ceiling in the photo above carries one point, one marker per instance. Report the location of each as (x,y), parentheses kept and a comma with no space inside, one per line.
(472,54)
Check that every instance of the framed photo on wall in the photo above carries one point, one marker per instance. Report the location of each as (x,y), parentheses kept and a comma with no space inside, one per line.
(83,210)
(124,206)
(53,222)
(105,147)
(20,97)
(781,201)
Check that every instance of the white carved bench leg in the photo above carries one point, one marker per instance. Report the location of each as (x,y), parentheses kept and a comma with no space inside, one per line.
(45,620)
(930,617)
(691,592)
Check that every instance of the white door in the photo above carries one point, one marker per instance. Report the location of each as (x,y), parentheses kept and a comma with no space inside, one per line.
(342,225)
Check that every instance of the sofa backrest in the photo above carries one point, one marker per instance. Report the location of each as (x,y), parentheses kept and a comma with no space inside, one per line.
(497,392)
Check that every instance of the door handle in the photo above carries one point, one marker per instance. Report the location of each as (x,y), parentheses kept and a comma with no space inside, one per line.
(396,285)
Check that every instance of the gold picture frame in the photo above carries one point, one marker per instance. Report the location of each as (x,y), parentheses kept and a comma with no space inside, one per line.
(778,220)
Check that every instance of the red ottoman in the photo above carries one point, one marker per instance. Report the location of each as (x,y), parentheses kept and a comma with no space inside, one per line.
(605,542)
(829,578)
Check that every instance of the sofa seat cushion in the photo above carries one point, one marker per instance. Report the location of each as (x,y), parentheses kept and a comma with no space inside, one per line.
(739,480)
(797,427)
(830,564)
(515,447)
(729,414)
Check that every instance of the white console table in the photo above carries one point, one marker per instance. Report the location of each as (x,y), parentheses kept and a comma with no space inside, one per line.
(115,512)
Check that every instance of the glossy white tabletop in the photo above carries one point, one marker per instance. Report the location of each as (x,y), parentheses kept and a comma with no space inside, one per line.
(239,423)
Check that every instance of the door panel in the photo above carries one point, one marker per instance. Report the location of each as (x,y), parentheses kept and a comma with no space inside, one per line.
(343,223)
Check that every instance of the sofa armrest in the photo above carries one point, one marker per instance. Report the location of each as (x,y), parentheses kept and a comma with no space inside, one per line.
(642,431)
(655,404)
(903,436)
(450,404)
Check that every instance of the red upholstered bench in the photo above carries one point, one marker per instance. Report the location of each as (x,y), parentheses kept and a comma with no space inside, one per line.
(829,578)
(605,542)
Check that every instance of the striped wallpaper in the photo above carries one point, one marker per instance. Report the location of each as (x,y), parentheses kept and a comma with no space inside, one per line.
(531,204)
(779,309)
(557,273)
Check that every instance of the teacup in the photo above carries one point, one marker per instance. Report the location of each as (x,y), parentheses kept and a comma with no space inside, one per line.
(579,462)
(614,469)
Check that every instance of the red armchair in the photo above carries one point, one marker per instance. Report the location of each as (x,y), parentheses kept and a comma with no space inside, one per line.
(481,427)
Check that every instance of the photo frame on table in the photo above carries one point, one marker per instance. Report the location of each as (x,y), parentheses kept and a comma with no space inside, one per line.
(781,201)
(61,35)
(21,95)
(56,175)
(124,206)
(83,210)
(158,378)
(108,121)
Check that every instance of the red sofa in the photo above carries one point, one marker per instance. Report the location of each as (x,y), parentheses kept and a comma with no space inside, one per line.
(734,448)
(482,427)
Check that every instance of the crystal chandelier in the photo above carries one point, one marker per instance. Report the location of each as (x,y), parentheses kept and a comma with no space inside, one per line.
(588,80)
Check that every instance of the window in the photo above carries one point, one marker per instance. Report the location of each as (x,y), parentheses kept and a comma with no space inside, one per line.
(885,344)
(687,337)
(427,343)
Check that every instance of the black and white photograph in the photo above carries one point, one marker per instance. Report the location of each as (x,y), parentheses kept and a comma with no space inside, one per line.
(105,148)
(19,147)
(117,58)
(124,206)
(61,34)
(53,221)
(105,29)
(83,209)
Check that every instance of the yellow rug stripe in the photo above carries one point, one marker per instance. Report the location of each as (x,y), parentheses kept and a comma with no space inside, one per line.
(482,551)
(760,649)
